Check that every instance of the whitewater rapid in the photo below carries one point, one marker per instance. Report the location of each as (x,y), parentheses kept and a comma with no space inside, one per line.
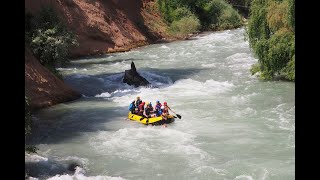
(233,126)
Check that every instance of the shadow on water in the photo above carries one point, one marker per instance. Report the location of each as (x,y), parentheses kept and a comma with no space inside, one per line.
(44,168)
(91,85)
(67,120)
(88,114)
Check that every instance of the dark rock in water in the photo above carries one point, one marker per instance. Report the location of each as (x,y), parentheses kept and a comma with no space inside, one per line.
(72,166)
(132,77)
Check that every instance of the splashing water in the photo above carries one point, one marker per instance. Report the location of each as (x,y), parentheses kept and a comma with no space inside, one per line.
(233,126)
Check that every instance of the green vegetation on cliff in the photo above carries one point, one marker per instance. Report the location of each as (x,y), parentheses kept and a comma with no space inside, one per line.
(271,32)
(48,38)
(188,16)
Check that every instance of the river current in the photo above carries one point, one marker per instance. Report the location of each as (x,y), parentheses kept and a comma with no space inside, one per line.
(233,126)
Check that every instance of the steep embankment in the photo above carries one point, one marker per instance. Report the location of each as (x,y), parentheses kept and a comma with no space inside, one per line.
(100,27)
(107,26)
(42,87)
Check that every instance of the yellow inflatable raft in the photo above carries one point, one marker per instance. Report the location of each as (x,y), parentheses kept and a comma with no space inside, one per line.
(152,121)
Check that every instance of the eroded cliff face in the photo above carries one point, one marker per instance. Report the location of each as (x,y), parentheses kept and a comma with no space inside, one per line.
(100,27)
(42,87)
(108,25)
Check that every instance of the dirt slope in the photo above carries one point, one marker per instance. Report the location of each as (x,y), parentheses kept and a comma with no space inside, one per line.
(42,87)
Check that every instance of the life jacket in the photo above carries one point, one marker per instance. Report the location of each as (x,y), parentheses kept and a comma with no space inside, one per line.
(158,109)
(141,107)
(138,102)
(158,106)
(131,107)
(165,110)
(148,109)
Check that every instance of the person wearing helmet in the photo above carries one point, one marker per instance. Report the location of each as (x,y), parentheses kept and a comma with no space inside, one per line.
(167,107)
(149,112)
(164,114)
(138,101)
(141,108)
(165,111)
(132,107)
(158,108)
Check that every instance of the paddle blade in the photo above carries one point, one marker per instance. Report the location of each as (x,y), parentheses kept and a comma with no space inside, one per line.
(178,116)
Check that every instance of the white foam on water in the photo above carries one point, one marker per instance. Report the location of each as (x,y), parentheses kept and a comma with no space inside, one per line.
(34,158)
(146,143)
(190,87)
(80,175)
(105,94)
(240,62)
(216,37)
(209,65)
(67,69)
(266,172)
(239,57)
(164,47)
(241,99)
(247,112)
(286,115)
(208,169)
(244,177)
(154,56)
(191,150)
(32,178)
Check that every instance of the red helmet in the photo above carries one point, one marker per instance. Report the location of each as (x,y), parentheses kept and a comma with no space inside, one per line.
(165,103)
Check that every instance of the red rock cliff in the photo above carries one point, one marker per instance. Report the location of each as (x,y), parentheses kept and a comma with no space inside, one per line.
(101,26)
(107,25)
(42,87)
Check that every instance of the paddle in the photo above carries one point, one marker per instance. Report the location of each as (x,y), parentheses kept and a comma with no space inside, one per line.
(176,114)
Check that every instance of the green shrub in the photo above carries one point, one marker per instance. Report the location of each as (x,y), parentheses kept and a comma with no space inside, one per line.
(180,13)
(220,15)
(213,10)
(255,68)
(50,46)
(229,18)
(49,38)
(289,70)
(185,25)
(291,14)
(272,37)
(213,14)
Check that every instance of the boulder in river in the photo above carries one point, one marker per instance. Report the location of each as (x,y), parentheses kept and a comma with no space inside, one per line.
(132,77)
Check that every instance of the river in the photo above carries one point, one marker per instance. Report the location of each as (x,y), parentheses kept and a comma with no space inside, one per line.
(233,126)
